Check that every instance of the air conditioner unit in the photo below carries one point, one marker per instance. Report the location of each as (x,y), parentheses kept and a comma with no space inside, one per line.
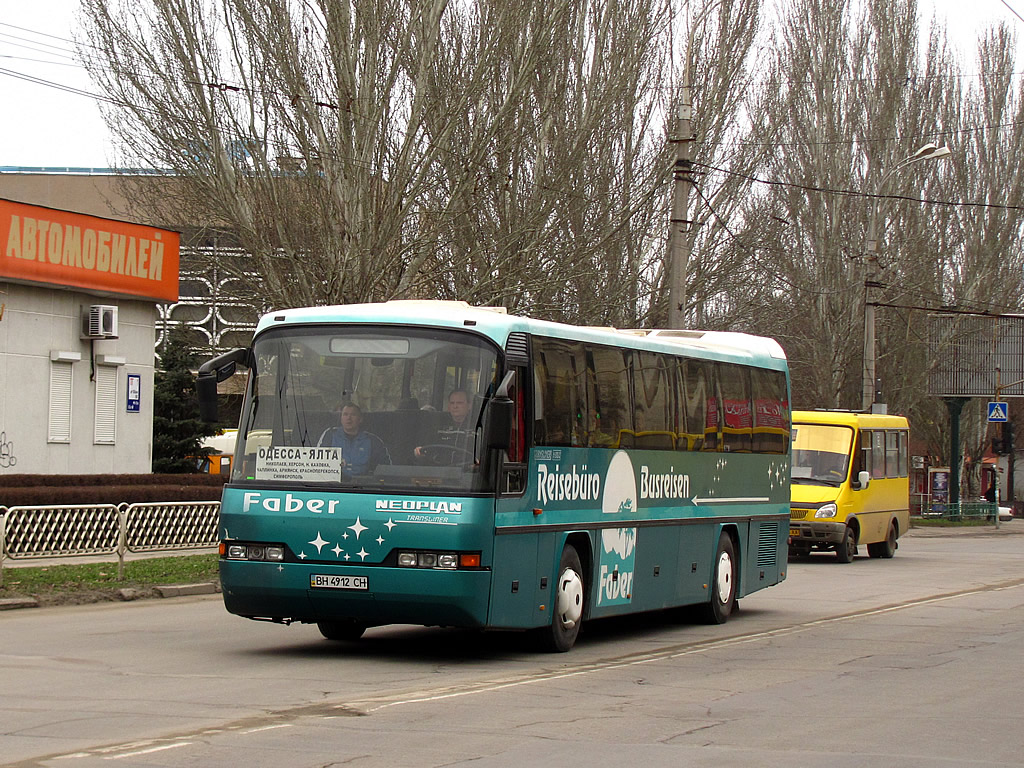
(99,321)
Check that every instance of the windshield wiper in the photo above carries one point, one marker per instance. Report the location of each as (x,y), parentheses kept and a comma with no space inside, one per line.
(815,481)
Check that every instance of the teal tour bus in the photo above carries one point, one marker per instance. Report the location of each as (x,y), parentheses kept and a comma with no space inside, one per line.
(434,463)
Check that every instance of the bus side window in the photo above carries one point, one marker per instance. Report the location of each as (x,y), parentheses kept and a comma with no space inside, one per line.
(698,407)
(904,453)
(771,409)
(559,378)
(609,405)
(892,454)
(877,453)
(864,454)
(654,419)
(737,421)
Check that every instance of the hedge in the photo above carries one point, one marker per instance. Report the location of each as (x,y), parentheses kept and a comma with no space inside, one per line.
(39,490)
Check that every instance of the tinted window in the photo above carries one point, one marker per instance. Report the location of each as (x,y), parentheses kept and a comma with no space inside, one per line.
(737,421)
(560,378)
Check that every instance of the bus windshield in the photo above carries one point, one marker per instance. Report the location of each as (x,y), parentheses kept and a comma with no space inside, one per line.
(366,407)
(821,454)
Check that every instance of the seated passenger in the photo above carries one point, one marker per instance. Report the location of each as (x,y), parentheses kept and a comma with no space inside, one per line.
(455,440)
(361,451)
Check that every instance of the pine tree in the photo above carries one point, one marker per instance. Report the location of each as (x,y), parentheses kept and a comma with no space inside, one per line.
(177,429)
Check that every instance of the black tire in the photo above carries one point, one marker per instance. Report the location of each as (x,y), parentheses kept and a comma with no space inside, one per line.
(885,548)
(346,631)
(722,601)
(847,548)
(802,551)
(567,604)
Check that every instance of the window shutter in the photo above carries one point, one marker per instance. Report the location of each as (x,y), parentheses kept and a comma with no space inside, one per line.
(59,423)
(105,428)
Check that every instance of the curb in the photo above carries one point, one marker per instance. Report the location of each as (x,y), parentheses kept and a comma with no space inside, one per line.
(10,603)
(182,590)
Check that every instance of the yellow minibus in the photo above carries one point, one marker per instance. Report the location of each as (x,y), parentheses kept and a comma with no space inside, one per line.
(850,483)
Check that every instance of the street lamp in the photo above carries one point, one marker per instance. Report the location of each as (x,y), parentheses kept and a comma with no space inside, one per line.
(927,152)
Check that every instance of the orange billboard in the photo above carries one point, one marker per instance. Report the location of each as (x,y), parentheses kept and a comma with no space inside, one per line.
(52,247)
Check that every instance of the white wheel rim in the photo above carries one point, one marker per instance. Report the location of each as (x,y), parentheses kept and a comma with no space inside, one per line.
(724,578)
(569,602)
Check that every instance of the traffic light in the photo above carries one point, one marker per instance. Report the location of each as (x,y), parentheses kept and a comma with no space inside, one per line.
(1002,442)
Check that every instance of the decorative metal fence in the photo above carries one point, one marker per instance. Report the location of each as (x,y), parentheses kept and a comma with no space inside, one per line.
(964,510)
(104,529)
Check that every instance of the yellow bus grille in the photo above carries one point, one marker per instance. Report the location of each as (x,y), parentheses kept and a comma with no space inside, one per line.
(799,514)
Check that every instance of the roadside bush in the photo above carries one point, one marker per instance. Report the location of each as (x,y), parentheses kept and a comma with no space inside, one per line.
(39,490)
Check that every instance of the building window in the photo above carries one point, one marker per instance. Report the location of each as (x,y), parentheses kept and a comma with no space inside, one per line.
(105,428)
(59,426)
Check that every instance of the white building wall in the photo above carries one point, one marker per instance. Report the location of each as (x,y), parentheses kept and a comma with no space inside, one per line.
(38,323)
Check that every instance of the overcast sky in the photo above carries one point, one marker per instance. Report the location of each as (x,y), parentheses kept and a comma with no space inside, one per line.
(45,125)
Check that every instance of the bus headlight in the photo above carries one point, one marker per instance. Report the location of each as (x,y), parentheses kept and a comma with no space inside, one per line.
(273,553)
(448,561)
(826,511)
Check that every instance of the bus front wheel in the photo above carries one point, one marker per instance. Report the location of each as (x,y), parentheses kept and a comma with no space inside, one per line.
(723,583)
(567,606)
(847,548)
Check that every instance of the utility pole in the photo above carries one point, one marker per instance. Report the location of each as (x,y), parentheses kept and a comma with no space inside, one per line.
(679,241)
(871,271)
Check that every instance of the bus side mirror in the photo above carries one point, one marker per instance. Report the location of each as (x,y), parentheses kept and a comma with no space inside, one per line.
(863,479)
(500,415)
(211,373)
(498,424)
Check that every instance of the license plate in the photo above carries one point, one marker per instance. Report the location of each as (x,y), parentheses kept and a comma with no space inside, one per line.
(322,581)
(794,531)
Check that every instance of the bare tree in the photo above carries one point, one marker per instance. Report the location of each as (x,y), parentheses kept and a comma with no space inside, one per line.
(845,113)
(494,151)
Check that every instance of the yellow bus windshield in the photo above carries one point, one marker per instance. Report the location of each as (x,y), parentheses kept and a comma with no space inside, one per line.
(821,453)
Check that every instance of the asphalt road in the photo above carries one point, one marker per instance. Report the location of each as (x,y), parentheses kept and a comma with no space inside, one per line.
(915,661)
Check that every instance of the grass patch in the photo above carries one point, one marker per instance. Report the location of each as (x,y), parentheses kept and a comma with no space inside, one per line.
(94,582)
(940,522)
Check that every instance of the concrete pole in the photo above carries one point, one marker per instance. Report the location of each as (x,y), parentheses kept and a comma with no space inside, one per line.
(680,242)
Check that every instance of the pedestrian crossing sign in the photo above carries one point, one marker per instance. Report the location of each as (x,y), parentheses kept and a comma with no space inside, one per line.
(998,411)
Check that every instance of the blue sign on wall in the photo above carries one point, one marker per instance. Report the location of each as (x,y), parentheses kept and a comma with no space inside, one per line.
(134,392)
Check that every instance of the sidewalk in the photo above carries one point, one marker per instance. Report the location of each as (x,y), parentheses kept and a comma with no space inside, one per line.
(1009,528)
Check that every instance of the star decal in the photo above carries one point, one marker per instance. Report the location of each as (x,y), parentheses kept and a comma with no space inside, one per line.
(280,568)
(358,528)
(348,556)
(390,524)
(318,542)
(302,555)
(380,539)
(337,550)
(363,554)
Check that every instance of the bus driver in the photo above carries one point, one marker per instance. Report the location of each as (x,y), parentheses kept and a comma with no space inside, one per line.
(361,451)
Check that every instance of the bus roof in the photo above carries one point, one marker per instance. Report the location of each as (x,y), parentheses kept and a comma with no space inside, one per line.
(851,419)
(497,324)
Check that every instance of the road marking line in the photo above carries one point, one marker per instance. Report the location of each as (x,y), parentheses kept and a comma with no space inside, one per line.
(268,728)
(148,751)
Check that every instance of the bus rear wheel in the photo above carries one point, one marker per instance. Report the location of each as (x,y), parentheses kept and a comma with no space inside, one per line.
(885,548)
(567,604)
(723,583)
(344,631)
